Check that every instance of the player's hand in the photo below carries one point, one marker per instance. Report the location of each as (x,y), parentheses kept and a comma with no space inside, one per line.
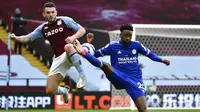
(69,40)
(13,36)
(166,62)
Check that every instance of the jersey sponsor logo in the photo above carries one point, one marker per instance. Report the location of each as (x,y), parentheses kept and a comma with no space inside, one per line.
(54,31)
(125,60)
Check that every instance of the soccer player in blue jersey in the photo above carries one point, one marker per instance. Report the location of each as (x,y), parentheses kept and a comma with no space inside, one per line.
(124,71)
(61,32)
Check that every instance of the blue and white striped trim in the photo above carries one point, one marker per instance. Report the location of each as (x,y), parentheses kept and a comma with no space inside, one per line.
(148,51)
(101,53)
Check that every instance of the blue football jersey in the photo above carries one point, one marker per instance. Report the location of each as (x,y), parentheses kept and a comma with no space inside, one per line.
(124,57)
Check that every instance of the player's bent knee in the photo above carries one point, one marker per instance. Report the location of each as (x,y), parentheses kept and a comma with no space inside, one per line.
(68,47)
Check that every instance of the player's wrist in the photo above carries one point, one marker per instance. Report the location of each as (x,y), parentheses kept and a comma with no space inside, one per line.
(161,60)
(73,38)
(68,40)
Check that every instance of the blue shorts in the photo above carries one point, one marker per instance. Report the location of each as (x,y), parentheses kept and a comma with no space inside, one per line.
(134,87)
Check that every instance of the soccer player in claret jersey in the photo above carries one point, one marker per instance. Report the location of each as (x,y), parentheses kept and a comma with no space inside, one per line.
(61,32)
(124,71)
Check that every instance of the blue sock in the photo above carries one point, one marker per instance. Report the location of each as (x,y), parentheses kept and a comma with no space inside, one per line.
(93,60)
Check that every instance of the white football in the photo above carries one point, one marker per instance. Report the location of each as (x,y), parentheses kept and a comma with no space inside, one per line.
(89,48)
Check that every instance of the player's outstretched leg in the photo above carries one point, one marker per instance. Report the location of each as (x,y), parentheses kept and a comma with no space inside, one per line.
(93,60)
(52,87)
(105,67)
(138,95)
(140,103)
(76,60)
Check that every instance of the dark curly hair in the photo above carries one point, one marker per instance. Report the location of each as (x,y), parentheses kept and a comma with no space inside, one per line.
(126,27)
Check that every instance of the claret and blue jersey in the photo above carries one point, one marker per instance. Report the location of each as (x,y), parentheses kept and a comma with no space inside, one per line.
(56,33)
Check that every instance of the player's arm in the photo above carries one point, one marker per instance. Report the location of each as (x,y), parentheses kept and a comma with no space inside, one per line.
(77,35)
(103,51)
(31,36)
(145,51)
(22,39)
(77,28)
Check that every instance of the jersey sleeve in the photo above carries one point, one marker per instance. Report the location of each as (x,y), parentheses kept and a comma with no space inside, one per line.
(37,33)
(142,49)
(71,23)
(145,51)
(103,51)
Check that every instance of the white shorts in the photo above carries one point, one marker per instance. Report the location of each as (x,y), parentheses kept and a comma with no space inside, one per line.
(60,64)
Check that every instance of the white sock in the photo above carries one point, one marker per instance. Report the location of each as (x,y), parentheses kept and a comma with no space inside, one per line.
(76,60)
(61,90)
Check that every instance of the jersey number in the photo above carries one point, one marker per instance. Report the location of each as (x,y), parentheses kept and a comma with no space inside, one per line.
(141,86)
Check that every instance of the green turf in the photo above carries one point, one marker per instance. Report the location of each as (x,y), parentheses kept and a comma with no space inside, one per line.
(98,111)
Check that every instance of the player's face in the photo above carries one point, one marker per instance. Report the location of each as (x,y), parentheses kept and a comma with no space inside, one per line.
(126,36)
(90,39)
(50,14)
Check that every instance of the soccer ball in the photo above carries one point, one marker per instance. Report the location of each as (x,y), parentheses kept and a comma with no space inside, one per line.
(89,48)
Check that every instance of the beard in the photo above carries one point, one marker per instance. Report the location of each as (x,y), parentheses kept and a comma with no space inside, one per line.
(51,19)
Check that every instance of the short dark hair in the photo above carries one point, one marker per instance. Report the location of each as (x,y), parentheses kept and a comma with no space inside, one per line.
(126,27)
(49,4)
(90,35)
